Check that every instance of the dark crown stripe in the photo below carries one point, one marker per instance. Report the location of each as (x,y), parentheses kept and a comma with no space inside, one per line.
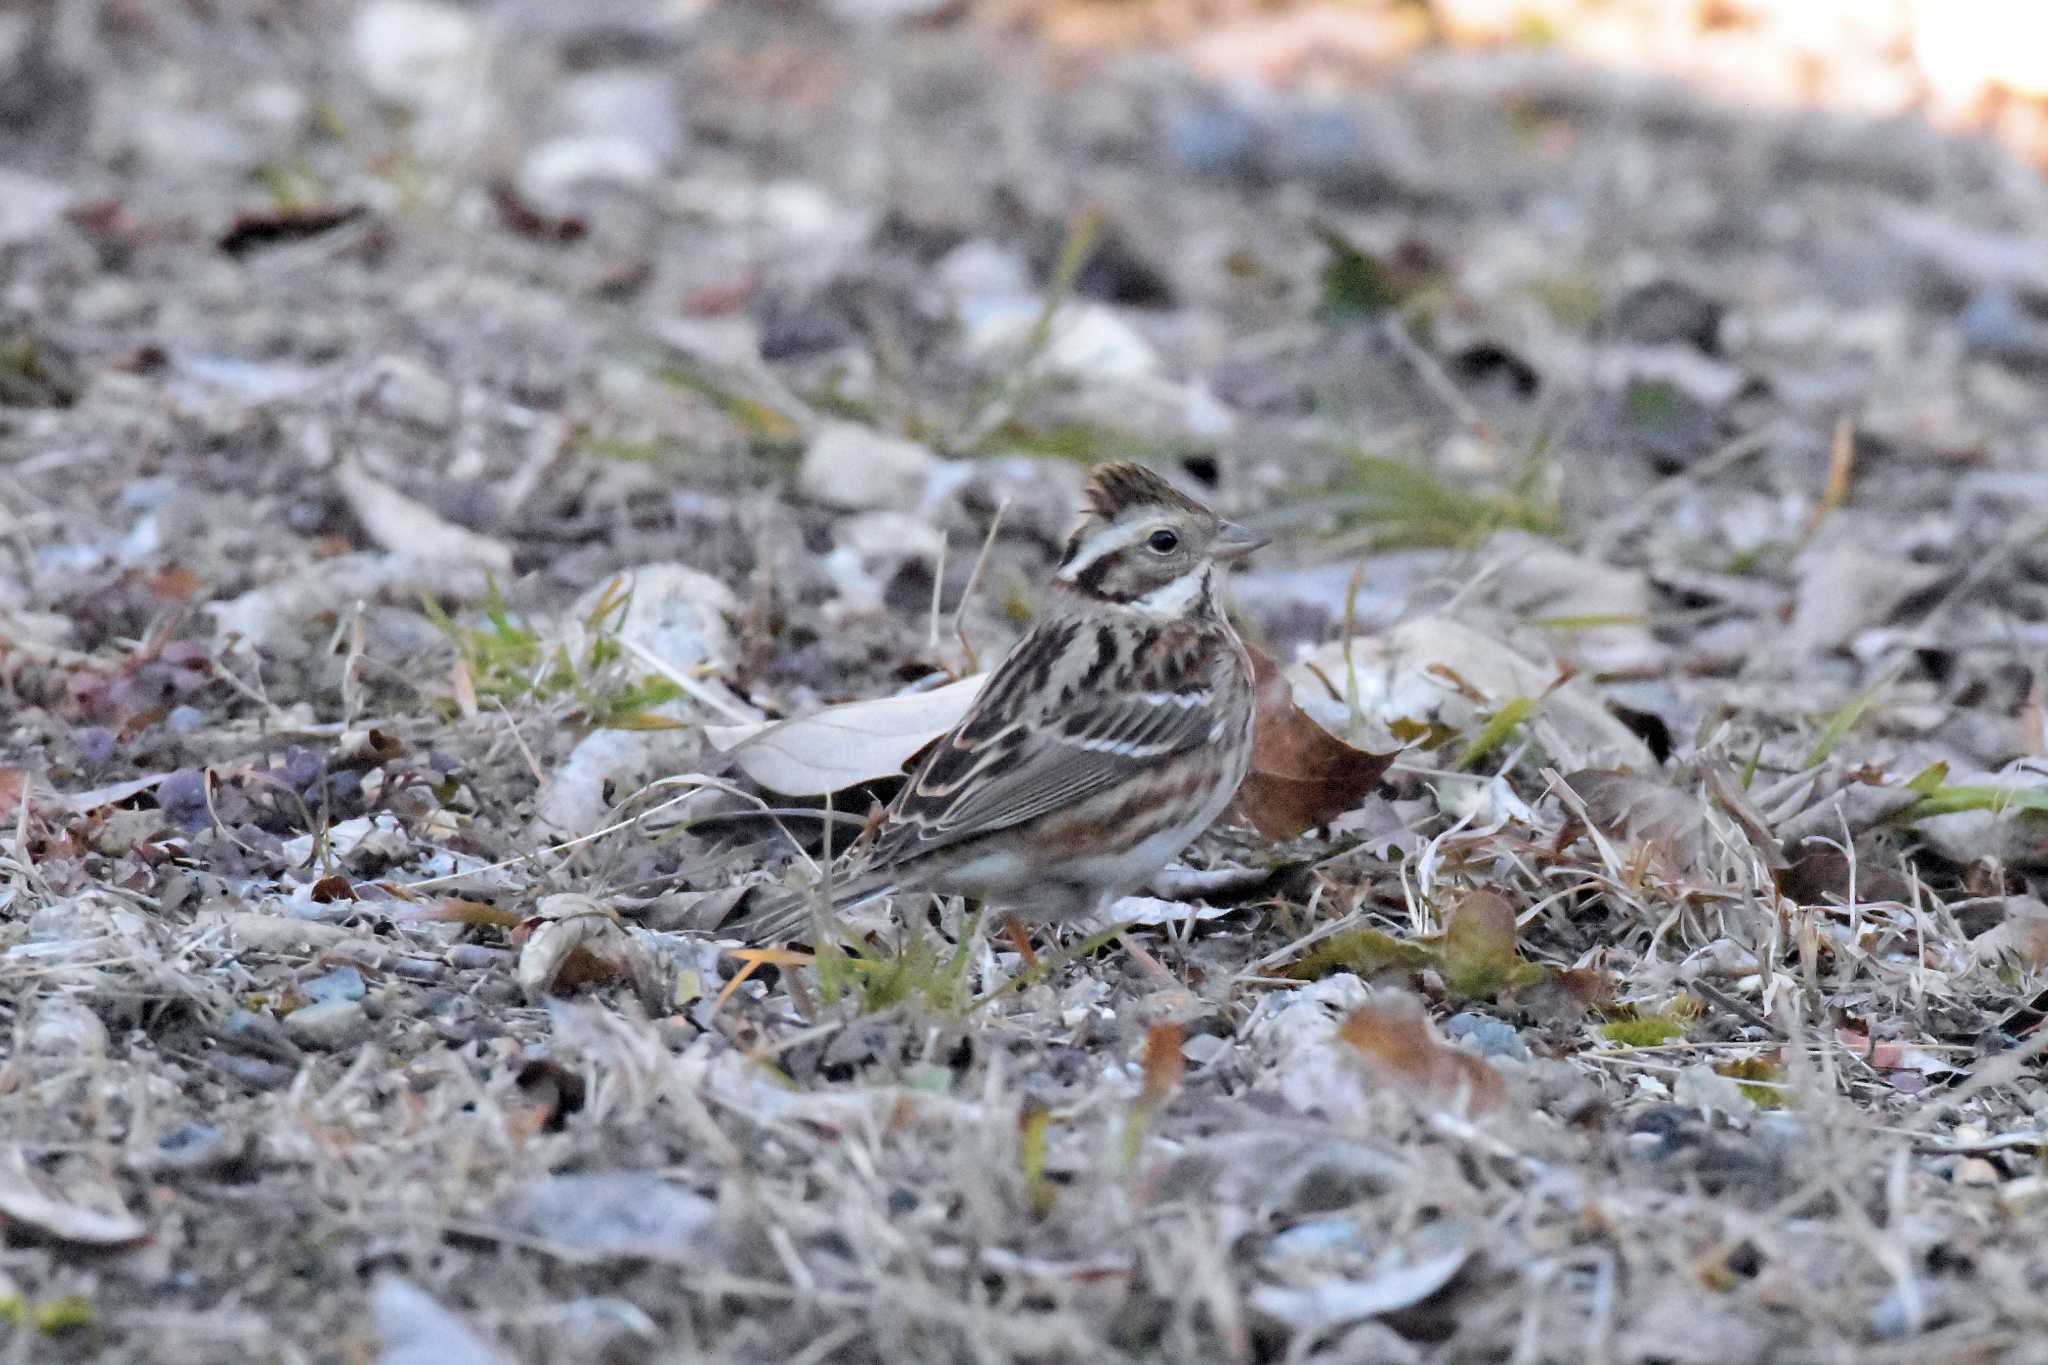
(1117,488)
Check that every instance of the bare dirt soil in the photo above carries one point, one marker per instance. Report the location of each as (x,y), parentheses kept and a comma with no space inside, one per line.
(421,425)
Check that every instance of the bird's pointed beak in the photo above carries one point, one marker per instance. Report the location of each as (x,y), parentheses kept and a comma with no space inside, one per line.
(1235,542)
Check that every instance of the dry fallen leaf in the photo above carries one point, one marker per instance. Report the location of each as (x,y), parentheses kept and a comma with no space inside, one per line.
(291,223)
(844,746)
(14,785)
(1847,586)
(1301,776)
(459,910)
(27,1206)
(416,1330)
(1437,677)
(1394,1036)
(367,748)
(1565,997)
(572,940)
(2020,938)
(547,1093)
(1670,823)
(1316,1308)
(1478,952)
(398,523)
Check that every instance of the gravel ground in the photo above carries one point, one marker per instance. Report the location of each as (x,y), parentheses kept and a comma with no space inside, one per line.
(424,427)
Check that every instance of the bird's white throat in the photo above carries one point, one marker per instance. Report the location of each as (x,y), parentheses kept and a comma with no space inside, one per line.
(1171,601)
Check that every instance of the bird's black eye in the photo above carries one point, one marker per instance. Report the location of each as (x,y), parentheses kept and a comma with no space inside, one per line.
(1163,541)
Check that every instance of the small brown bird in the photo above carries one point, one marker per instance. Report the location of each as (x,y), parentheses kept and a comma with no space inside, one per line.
(1114,733)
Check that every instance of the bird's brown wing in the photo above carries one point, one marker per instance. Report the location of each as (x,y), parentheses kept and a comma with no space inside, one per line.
(1062,719)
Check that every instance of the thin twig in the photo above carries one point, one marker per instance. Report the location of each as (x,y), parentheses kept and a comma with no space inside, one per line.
(695,690)
(973,582)
(1432,373)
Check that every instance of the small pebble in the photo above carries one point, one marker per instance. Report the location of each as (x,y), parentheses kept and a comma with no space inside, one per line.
(343,983)
(182,796)
(1215,139)
(2025,1194)
(95,746)
(500,991)
(253,1072)
(1897,1315)
(183,720)
(1489,1036)
(1315,140)
(329,1025)
(302,768)
(1997,326)
(258,1035)
(678,1033)
(345,790)
(194,1147)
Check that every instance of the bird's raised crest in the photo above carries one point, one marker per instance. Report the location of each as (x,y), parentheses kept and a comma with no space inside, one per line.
(1117,488)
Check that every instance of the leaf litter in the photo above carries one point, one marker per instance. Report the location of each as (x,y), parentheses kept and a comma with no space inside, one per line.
(1630,941)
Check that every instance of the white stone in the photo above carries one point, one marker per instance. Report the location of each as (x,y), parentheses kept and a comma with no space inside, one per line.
(328,1025)
(852,467)
(979,269)
(430,58)
(673,612)
(406,389)
(804,212)
(274,108)
(553,171)
(638,104)
(1086,341)
(890,538)
(604,768)
(415,1330)
(29,206)
(416,52)
(180,142)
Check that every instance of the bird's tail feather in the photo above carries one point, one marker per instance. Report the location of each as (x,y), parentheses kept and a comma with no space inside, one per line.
(774,916)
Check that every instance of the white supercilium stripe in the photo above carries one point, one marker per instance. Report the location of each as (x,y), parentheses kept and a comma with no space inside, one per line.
(1108,541)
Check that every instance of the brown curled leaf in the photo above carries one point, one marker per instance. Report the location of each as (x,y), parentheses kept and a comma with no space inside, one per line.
(1392,1033)
(1301,776)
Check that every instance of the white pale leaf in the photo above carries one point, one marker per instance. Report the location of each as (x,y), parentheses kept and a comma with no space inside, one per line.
(405,526)
(842,746)
(418,1331)
(564,926)
(23,1202)
(1329,1303)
